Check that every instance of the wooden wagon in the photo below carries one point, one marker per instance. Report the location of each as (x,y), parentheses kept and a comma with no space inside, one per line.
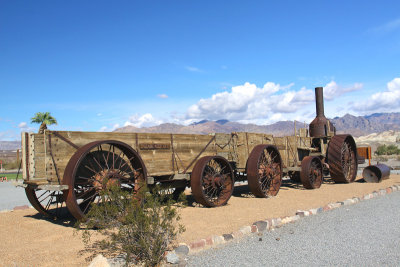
(73,167)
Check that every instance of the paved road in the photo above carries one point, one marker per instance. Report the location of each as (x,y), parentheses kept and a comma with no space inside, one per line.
(364,234)
(11,196)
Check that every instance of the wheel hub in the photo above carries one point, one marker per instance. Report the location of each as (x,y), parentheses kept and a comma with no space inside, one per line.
(106,179)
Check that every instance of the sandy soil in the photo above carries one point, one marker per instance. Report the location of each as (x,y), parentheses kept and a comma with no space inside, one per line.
(28,239)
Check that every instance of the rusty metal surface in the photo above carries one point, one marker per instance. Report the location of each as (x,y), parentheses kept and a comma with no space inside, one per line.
(264,171)
(342,158)
(91,165)
(376,173)
(212,181)
(320,126)
(311,172)
(64,139)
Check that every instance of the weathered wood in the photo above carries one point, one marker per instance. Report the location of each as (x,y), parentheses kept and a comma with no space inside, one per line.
(162,154)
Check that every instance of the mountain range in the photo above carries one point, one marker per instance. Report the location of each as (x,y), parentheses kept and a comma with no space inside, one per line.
(354,125)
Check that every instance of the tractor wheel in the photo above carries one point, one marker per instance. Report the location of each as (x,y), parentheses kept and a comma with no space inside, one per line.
(264,171)
(212,181)
(311,172)
(342,158)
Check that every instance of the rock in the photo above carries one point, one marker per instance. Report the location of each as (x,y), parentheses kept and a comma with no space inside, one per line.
(261,225)
(182,249)
(172,258)
(99,261)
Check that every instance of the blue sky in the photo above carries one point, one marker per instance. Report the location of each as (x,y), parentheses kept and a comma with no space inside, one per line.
(98,65)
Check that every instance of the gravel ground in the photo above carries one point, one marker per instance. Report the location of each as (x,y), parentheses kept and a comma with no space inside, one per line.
(364,234)
(11,196)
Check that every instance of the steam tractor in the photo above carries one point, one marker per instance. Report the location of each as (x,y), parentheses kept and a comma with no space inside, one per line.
(64,171)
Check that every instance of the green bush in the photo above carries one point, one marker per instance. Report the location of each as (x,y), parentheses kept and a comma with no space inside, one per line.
(140,227)
(387,150)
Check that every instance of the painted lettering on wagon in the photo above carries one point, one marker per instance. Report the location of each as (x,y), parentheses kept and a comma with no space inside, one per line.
(154,146)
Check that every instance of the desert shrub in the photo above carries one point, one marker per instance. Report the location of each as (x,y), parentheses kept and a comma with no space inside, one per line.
(139,227)
(387,150)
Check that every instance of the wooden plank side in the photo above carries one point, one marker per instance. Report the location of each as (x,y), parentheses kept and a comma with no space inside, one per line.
(38,157)
(25,155)
(157,161)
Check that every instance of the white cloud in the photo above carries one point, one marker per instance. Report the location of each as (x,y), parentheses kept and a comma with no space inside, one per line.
(193,69)
(107,129)
(146,120)
(333,90)
(103,129)
(388,100)
(22,125)
(273,102)
(163,96)
(248,103)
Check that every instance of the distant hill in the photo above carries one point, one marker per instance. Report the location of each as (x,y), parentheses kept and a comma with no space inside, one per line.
(10,145)
(355,125)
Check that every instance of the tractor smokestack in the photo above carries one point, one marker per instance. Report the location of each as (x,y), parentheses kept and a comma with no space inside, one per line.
(319,101)
(320,126)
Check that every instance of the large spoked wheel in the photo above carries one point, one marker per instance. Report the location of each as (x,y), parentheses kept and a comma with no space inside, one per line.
(264,171)
(311,172)
(99,165)
(212,181)
(342,158)
(47,202)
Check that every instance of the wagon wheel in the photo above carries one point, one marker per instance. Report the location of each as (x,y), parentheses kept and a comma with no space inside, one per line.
(96,166)
(212,181)
(264,171)
(311,172)
(342,158)
(47,202)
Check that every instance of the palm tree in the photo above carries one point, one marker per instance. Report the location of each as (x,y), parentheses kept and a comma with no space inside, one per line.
(45,119)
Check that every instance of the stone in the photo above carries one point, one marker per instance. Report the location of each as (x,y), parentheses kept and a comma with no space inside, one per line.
(335,205)
(347,202)
(261,225)
(237,234)
(294,218)
(172,258)
(254,229)
(245,230)
(217,239)
(99,261)
(313,211)
(197,244)
(182,249)
(326,208)
(276,222)
(227,237)
(320,210)
(303,213)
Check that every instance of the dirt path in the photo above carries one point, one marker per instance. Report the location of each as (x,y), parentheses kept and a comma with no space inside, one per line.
(27,239)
